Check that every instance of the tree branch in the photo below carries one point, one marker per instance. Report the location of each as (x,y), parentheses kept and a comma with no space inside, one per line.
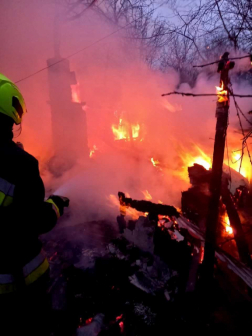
(203,94)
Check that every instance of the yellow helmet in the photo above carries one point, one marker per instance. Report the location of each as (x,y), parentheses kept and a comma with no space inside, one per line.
(11,100)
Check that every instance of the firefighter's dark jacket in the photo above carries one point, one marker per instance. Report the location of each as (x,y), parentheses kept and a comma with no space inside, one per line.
(24,214)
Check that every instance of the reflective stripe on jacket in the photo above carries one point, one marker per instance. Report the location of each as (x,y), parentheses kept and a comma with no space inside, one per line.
(31,272)
(6,192)
(24,215)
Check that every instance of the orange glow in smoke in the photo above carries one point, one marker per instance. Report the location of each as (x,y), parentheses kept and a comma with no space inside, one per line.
(245,168)
(75,93)
(147,195)
(222,94)
(92,151)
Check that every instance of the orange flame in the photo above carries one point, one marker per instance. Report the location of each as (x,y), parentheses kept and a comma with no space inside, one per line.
(124,131)
(228,228)
(135,131)
(188,160)
(125,211)
(202,159)
(222,94)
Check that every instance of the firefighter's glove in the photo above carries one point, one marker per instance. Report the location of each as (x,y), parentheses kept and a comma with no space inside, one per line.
(60,202)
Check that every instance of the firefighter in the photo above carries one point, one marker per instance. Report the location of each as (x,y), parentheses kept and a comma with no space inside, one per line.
(24,215)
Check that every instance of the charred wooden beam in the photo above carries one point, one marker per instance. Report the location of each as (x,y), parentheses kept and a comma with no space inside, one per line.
(197,201)
(146,206)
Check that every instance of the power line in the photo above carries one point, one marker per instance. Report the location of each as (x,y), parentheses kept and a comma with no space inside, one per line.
(90,45)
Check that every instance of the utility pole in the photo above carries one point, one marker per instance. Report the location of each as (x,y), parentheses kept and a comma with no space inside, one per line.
(222,110)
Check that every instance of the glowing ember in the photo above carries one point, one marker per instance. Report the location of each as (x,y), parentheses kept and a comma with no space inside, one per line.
(121,325)
(202,252)
(222,94)
(125,131)
(75,93)
(147,195)
(92,151)
(88,321)
(119,317)
(228,228)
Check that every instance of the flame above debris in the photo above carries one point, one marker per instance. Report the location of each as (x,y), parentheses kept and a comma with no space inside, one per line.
(188,160)
(222,94)
(124,210)
(202,158)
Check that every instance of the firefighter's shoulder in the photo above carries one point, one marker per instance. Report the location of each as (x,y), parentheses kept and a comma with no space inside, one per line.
(25,157)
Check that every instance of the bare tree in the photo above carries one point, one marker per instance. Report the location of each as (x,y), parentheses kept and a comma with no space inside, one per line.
(219,22)
(200,32)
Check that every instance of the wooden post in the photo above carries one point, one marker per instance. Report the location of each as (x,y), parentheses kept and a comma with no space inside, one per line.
(215,185)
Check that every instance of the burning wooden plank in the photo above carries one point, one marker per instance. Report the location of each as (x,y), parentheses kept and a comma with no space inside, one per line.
(147,206)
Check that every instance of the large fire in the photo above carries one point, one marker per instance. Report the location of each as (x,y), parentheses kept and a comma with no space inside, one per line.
(197,155)
(125,131)
(245,168)
(222,94)
(188,160)
(201,158)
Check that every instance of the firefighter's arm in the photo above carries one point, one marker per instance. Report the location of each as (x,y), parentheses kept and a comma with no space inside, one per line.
(41,215)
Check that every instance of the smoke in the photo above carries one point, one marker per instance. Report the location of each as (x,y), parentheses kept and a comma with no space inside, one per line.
(115,83)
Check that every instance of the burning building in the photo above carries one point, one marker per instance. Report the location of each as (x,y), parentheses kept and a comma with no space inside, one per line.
(66,113)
